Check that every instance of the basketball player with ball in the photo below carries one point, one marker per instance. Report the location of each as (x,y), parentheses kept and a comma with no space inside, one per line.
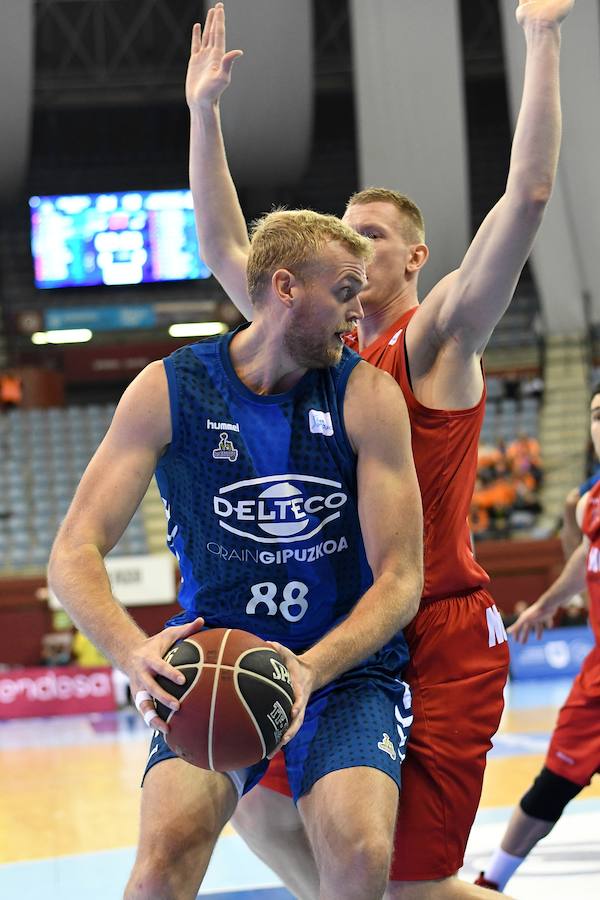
(294,512)
(433,348)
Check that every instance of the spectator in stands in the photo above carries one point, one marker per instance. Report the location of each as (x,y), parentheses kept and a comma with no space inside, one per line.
(496,498)
(512,386)
(534,387)
(506,490)
(524,458)
(85,654)
(56,648)
(11,390)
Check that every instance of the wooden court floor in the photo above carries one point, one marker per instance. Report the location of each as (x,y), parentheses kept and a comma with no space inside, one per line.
(70,791)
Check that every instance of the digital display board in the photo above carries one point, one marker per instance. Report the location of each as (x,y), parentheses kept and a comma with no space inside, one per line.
(115,238)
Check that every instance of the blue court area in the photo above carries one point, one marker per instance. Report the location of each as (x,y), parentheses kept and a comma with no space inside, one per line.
(234,873)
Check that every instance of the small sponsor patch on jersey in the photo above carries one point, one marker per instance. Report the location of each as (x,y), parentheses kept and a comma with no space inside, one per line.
(225,450)
(320,422)
(568,759)
(395,337)
(222,426)
(386,745)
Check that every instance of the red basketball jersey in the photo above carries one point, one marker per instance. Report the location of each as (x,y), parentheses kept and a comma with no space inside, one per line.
(444,444)
(591,528)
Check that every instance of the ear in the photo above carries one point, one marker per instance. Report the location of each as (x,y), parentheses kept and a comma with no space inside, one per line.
(419,255)
(284,285)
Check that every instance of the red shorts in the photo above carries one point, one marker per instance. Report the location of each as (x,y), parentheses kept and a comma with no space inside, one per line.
(457,675)
(574,750)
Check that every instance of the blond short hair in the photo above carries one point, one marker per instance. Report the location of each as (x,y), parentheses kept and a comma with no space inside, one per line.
(293,239)
(413,228)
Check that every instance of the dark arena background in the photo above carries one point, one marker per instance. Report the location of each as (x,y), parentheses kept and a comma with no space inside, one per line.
(101,273)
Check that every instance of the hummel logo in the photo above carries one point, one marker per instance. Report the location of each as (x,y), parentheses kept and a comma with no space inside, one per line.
(386,745)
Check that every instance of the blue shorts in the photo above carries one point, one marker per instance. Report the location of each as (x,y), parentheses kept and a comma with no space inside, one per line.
(357,720)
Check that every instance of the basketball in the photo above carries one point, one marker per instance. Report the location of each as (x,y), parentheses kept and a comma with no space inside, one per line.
(235,704)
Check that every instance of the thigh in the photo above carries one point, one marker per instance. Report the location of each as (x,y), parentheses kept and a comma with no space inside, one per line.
(183,808)
(457,682)
(574,750)
(357,722)
(347,807)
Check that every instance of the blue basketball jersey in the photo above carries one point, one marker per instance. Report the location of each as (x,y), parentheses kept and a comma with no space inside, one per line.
(261,500)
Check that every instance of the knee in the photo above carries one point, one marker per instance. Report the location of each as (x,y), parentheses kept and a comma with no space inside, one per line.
(373,857)
(262,811)
(149,879)
(169,869)
(548,796)
(359,867)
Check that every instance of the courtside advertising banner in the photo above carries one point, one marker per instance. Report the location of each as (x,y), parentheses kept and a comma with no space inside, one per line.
(560,651)
(63,691)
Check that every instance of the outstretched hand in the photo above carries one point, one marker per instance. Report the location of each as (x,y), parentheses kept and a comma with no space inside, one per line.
(534,618)
(209,67)
(147,662)
(549,11)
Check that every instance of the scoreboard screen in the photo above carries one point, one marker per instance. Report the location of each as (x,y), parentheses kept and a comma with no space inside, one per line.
(115,238)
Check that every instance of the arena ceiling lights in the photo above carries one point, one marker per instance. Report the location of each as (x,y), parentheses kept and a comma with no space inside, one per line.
(197,329)
(63,336)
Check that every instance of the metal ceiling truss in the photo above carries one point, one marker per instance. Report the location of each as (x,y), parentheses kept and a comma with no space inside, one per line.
(116,52)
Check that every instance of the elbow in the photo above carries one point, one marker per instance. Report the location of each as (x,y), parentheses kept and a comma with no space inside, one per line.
(211,256)
(412,588)
(538,196)
(54,565)
(533,197)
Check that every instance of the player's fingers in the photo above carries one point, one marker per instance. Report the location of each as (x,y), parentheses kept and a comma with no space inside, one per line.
(145,706)
(278,647)
(153,720)
(162,667)
(206,35)
(174,633)
(196,39)
(294,727)
(515,629)
(177,632)
(518,632)
(229,59)
(219,28)
(288,657)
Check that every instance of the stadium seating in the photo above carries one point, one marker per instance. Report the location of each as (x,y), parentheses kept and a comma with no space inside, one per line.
(43,454)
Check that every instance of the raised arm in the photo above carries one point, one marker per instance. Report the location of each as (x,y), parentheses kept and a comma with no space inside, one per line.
(467,305)
(220,223)
(110,491)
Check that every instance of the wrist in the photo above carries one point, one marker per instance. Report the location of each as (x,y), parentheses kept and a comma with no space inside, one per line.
(540,29)
(310,662)
(549,604)
(132,640)
(202,110)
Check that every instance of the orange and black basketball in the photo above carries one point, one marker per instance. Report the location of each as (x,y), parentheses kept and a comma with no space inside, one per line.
(235,705)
